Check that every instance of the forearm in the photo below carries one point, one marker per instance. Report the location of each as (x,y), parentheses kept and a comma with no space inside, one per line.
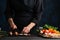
(31,25)
(10,20)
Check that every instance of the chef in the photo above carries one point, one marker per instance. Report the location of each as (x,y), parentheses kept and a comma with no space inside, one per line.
(24,15)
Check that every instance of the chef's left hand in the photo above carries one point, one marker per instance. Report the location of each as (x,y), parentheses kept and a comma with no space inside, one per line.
(28,28)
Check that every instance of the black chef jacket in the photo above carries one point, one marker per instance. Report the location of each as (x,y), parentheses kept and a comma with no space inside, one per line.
(24,11)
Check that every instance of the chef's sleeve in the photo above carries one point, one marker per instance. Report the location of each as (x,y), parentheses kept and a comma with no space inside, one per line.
(37,11)
(9,13)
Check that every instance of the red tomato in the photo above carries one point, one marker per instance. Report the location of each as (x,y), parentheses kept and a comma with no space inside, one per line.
(44,30)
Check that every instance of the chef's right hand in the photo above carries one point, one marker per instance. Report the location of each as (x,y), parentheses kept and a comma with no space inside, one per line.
(13,26)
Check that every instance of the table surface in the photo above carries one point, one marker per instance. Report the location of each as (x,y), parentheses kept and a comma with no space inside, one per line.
(25,38)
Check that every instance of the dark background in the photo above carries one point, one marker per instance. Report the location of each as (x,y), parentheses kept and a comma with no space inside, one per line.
(3,22)
(51,13)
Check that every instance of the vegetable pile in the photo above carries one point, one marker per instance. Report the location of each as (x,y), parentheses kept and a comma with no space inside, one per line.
(49,31)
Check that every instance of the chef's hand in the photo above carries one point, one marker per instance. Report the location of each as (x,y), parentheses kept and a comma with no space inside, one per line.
(28,28)
(13,26)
